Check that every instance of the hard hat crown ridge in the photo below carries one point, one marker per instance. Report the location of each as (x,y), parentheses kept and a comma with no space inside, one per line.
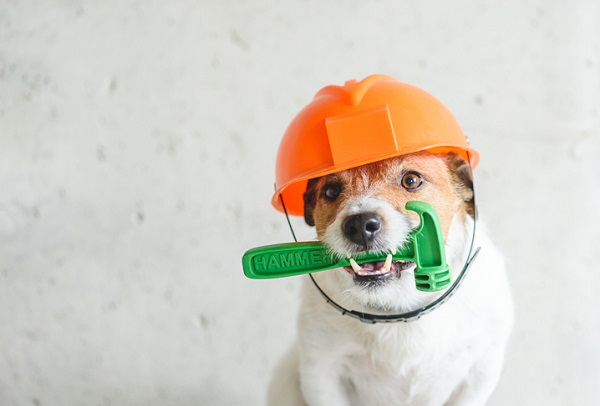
(353,90)
(359,123)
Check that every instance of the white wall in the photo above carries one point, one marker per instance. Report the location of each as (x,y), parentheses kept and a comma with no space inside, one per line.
(138,141)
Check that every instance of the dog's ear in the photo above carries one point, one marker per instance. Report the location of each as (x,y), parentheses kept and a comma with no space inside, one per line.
(310,201)
(463,181)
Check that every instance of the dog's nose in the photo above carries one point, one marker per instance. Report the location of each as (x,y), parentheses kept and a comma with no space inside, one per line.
(362,228)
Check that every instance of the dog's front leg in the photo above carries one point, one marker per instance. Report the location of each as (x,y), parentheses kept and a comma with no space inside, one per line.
(477,388)
(321,381)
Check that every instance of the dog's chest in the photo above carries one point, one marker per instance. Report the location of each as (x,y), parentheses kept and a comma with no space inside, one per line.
(409,368)
(384,383)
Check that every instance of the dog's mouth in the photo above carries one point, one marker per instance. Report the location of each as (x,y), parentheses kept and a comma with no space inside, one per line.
(377,271)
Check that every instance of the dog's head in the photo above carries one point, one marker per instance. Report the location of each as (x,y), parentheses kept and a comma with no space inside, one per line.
(362,209)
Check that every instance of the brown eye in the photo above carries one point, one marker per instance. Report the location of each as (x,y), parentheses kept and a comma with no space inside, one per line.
(411,181)
(331,191)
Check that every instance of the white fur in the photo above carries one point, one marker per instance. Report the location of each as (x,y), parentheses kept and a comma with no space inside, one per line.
(452,356)
(396,227)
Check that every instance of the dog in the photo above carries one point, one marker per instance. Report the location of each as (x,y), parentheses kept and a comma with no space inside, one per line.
(451,356)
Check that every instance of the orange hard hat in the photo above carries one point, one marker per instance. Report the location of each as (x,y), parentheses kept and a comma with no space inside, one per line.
(359,123)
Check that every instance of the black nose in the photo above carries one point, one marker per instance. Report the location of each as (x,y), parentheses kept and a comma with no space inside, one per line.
(362,228)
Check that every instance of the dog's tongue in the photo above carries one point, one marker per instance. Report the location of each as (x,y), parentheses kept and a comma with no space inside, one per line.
(372,266)
(370,269)
(377,269)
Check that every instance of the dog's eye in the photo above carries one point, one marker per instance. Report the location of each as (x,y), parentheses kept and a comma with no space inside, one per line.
(411,181)
(331,191)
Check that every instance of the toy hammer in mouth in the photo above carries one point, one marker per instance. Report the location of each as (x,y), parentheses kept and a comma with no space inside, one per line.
(424,247)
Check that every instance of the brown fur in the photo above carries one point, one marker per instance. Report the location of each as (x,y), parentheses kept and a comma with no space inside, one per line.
(448,187)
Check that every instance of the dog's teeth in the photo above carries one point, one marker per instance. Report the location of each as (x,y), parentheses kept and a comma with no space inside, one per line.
(394,251)
(388,263)
(355,266)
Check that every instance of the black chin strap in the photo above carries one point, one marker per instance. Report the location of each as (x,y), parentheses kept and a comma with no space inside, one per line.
(413,315)
(408,316)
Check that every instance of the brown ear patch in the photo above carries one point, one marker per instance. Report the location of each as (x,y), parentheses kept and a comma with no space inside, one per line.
(310,201)
(462,176)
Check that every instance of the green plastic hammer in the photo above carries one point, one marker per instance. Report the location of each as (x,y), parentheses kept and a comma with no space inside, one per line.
(424,247)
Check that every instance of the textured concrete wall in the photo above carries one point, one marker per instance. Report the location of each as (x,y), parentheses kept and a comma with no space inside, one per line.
(137,147)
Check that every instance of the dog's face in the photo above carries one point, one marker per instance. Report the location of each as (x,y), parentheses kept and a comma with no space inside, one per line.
(362,209)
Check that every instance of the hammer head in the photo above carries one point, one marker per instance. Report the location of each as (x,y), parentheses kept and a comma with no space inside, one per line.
(432,273)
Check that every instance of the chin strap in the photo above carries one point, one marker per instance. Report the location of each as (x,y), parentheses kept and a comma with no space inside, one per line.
(408,316)
(412,315)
